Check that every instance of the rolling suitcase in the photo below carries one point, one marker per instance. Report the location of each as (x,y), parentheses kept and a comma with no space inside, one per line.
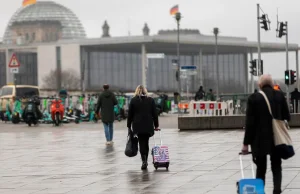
(160,154)
(249,186)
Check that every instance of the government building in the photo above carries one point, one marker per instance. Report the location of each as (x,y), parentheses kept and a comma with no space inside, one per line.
(48,37)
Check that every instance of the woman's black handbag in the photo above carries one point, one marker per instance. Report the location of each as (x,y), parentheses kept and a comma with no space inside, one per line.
(131,149)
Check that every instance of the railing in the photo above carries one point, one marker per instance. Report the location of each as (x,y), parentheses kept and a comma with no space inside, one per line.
(211,108)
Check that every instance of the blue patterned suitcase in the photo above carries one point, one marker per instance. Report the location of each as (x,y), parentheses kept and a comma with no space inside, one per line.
(160,154)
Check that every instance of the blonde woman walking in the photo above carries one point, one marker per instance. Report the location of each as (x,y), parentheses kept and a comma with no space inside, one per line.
(143,119)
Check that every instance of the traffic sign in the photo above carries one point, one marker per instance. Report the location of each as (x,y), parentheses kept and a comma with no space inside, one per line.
(14,63)
(14,70)
(188,68)
(155,55)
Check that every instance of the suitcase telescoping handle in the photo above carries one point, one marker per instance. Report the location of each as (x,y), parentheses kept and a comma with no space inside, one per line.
(241,164)
(159,137)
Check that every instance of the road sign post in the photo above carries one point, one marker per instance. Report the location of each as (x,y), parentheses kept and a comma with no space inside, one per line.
(186,72)
(14,65)
(14,62)
(14,70)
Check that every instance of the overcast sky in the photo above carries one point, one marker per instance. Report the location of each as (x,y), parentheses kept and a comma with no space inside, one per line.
(233,17)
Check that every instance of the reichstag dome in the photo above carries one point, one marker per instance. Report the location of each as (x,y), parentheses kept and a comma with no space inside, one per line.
(45,21)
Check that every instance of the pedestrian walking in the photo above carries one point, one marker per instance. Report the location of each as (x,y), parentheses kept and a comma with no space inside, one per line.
(200,94)
(143,119)
(210,96)
(259,130)
(295,97)
(106,102)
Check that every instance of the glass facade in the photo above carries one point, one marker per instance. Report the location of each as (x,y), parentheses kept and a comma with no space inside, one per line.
(28,72)
(2,69)
(123,71)
(232,73)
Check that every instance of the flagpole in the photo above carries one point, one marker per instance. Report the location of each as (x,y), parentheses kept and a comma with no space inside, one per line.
(178,18)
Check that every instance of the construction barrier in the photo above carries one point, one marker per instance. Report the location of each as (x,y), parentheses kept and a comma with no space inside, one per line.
(211,108)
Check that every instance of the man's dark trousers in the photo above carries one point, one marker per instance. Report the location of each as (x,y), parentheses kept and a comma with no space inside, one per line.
(261,163)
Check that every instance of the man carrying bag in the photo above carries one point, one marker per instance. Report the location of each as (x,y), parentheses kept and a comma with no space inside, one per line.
(265,123)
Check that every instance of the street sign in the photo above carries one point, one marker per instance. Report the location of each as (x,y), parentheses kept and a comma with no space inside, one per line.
(14,70)
(155,55)
(188,68)
(14,63)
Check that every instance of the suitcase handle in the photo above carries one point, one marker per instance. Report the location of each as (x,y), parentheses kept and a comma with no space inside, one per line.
(241,154)
(159,137)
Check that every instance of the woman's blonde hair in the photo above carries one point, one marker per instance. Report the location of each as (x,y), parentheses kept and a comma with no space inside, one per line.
(140,91)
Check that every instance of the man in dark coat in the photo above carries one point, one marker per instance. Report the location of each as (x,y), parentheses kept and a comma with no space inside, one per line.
(106,102)
(259,130)
(200,94)
(295,97)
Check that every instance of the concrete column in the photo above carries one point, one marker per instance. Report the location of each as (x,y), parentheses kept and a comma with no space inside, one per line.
(70,58)
(200,68)
(252,77)
(193,83)
(297,69)
(144,65)
(84,68)
(246,72)
(46,59)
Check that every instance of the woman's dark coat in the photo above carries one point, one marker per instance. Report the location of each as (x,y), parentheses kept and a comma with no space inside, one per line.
(259,131)
(142,115)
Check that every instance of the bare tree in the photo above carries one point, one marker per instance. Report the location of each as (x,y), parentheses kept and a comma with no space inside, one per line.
(70,80)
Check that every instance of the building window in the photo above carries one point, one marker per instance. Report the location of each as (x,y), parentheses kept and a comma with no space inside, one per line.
(27,36)
(52,36)
(33,37)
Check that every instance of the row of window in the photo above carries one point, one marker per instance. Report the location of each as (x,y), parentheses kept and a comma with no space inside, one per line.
(124,70)
(49,36)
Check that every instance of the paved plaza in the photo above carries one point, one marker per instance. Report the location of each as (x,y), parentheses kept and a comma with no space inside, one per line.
(73,159)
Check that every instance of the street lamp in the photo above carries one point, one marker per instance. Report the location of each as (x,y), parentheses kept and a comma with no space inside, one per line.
(178,18)
(216,32)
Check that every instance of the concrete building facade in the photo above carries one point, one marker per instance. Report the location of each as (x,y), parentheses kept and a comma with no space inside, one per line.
(120,61)
(65,55)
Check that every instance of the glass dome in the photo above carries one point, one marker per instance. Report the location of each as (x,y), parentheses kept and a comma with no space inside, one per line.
(48,11)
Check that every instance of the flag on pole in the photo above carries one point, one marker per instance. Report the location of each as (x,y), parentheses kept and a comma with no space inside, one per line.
(174,10)
(28,2)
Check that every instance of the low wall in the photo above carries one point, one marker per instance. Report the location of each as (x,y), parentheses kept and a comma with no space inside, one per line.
(222,122)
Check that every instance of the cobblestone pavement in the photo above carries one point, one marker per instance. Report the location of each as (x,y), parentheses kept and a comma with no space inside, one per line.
(73,159)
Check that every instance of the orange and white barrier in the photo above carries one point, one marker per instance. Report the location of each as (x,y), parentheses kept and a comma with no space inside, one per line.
(209,108)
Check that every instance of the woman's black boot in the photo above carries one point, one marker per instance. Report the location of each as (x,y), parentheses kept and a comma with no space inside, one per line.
(145,162)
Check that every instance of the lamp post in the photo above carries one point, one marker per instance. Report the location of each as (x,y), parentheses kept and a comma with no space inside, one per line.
(216,32)
(178,18)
